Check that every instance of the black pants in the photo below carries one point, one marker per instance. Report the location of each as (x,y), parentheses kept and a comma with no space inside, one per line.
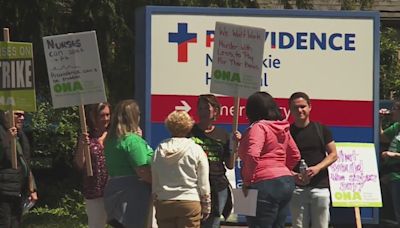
(10,211)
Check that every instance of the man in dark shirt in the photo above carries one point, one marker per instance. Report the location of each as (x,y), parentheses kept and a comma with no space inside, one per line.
(215,143)
(311,198)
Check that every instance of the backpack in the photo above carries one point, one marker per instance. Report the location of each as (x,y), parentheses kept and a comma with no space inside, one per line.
(318,128)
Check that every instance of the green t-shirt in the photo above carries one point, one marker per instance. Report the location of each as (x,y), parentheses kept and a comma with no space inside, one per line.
(393,133)
(126,153)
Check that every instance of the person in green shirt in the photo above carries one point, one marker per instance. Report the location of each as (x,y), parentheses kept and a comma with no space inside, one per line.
(391,156)
(128,157)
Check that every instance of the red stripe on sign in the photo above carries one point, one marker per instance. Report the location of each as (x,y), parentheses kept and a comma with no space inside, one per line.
(329,112)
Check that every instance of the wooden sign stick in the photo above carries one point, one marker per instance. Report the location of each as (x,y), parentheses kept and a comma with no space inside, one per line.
(358,217)
(88,160)
(235,120)
(14,164)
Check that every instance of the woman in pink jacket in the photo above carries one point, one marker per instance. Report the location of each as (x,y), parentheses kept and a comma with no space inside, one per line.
(269,153)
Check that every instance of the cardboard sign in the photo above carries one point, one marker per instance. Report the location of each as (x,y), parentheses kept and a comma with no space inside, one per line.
(354,178)
(74,69)
(238,55)
(17,82)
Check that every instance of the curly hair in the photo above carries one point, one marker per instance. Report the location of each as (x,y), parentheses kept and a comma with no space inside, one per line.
(179,123)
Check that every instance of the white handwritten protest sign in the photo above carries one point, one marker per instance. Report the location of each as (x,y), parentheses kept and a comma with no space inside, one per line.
(354,179)
(74,69)
(237,59)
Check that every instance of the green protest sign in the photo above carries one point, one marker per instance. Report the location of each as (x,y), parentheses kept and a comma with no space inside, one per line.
(17,83)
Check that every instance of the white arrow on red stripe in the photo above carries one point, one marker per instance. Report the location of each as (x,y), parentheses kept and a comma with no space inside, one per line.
(184,107)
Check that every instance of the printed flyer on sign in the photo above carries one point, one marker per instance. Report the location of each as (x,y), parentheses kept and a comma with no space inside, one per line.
(354,179)
(17,84)
(74,69)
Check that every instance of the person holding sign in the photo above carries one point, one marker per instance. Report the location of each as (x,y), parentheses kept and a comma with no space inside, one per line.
(98,116)
(180,176)
(269,153)
(311,197)
(215,142)
(128,157)
(391,157)
(16,185)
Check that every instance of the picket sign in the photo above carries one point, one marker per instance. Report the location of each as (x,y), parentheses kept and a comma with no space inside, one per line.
(354,179)
(75,75)
(236,71)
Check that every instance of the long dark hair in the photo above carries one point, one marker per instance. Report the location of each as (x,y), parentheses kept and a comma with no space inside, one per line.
(262,106)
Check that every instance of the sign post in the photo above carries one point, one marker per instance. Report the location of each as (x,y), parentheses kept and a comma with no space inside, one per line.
(75,75)
(14,164)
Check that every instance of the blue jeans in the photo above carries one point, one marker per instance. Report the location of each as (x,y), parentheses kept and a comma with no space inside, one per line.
(272,202)
(310,205)
(214,221)
(395,193)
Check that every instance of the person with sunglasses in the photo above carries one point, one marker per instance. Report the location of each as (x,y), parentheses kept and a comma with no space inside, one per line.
(16,185)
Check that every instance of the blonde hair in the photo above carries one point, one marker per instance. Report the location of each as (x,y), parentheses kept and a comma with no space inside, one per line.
(125,118)
(179,123)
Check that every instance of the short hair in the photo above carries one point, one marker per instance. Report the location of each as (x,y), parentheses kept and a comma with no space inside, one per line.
(125,118)
(179,123)
(297,95)
(212,100)
(262,106)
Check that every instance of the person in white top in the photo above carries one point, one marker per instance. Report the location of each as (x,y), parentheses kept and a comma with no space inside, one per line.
(180,176)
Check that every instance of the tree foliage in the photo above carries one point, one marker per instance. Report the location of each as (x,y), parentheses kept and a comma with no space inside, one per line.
(356,4)
(344,4)
(389,64)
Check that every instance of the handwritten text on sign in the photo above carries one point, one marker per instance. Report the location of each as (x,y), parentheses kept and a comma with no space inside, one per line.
(74,68)
(237,59)
(354,176)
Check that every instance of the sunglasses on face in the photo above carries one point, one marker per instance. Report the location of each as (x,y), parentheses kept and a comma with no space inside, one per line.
(19,114)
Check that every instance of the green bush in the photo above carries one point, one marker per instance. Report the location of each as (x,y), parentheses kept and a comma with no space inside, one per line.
(70,212)
(53,134)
